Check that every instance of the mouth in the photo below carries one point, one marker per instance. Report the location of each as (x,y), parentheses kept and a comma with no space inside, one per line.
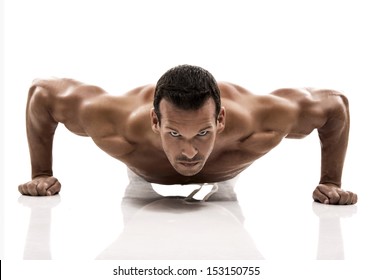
(188,168)
(189,164)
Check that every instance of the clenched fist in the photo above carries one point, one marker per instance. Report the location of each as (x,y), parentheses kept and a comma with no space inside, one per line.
(333,194)
(41,186)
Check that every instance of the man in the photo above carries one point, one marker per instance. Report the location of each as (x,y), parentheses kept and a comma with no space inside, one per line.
(187,129)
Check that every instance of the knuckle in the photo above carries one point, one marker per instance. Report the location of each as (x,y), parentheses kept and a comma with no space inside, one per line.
(345,200)
(51,180)
(55,188)
(316,193)
(40,186)
(31,189)
(334,197)
(20,189)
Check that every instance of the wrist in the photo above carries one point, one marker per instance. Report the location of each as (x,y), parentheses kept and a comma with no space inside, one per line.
(42,174)
(330,183)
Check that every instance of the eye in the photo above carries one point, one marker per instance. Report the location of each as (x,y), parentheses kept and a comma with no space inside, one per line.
(174,134)
(203,133)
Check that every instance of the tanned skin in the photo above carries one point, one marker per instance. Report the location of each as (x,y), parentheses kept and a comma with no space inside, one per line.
(187,147)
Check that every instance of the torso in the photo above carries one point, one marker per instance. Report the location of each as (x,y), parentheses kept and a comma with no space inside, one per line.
(120,125)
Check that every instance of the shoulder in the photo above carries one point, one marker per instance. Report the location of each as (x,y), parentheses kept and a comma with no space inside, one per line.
(110,104)
(285,98)
(311,97)
(232,91)
(269,112)
(63,92)
(54,85)
(303,101)
(313,107)
(306,107)
(117,114)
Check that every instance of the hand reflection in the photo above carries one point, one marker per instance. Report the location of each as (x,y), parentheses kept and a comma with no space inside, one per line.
(330,238)
(37,244)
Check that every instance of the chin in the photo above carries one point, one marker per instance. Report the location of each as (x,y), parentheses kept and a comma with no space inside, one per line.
(188,172)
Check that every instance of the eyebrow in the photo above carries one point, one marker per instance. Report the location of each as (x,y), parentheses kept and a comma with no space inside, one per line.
(205,128)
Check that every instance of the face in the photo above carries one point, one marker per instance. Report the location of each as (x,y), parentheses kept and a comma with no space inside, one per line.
(188,136)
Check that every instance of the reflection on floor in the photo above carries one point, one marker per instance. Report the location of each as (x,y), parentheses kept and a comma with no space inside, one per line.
(158,227)
(330,241)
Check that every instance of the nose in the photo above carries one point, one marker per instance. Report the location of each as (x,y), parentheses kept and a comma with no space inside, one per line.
(189,150)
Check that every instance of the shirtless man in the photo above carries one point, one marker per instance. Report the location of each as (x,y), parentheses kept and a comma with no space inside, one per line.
(182,129)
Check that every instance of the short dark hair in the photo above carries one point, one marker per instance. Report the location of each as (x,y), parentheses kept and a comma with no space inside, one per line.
(187,87)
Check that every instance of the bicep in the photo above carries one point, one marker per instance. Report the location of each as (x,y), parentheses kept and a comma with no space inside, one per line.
(316,107)
(308,112)
(106,124)
(310,117)
(38,116)
(66,101)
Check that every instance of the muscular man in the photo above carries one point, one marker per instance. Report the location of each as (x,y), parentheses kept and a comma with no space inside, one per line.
(187,129)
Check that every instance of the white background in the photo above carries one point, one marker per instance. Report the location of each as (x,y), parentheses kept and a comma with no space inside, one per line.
(261,45)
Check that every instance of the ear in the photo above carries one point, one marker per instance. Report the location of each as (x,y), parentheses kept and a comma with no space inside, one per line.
(155,123)
(221,120)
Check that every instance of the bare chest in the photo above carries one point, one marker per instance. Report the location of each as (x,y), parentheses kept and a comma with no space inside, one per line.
(226,162)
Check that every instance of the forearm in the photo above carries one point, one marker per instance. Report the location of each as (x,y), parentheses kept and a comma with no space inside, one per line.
(40,133)
(334,141)
(333,109)
(41,155)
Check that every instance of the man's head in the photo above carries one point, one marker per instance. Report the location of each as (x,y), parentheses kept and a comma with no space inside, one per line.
(187,115)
